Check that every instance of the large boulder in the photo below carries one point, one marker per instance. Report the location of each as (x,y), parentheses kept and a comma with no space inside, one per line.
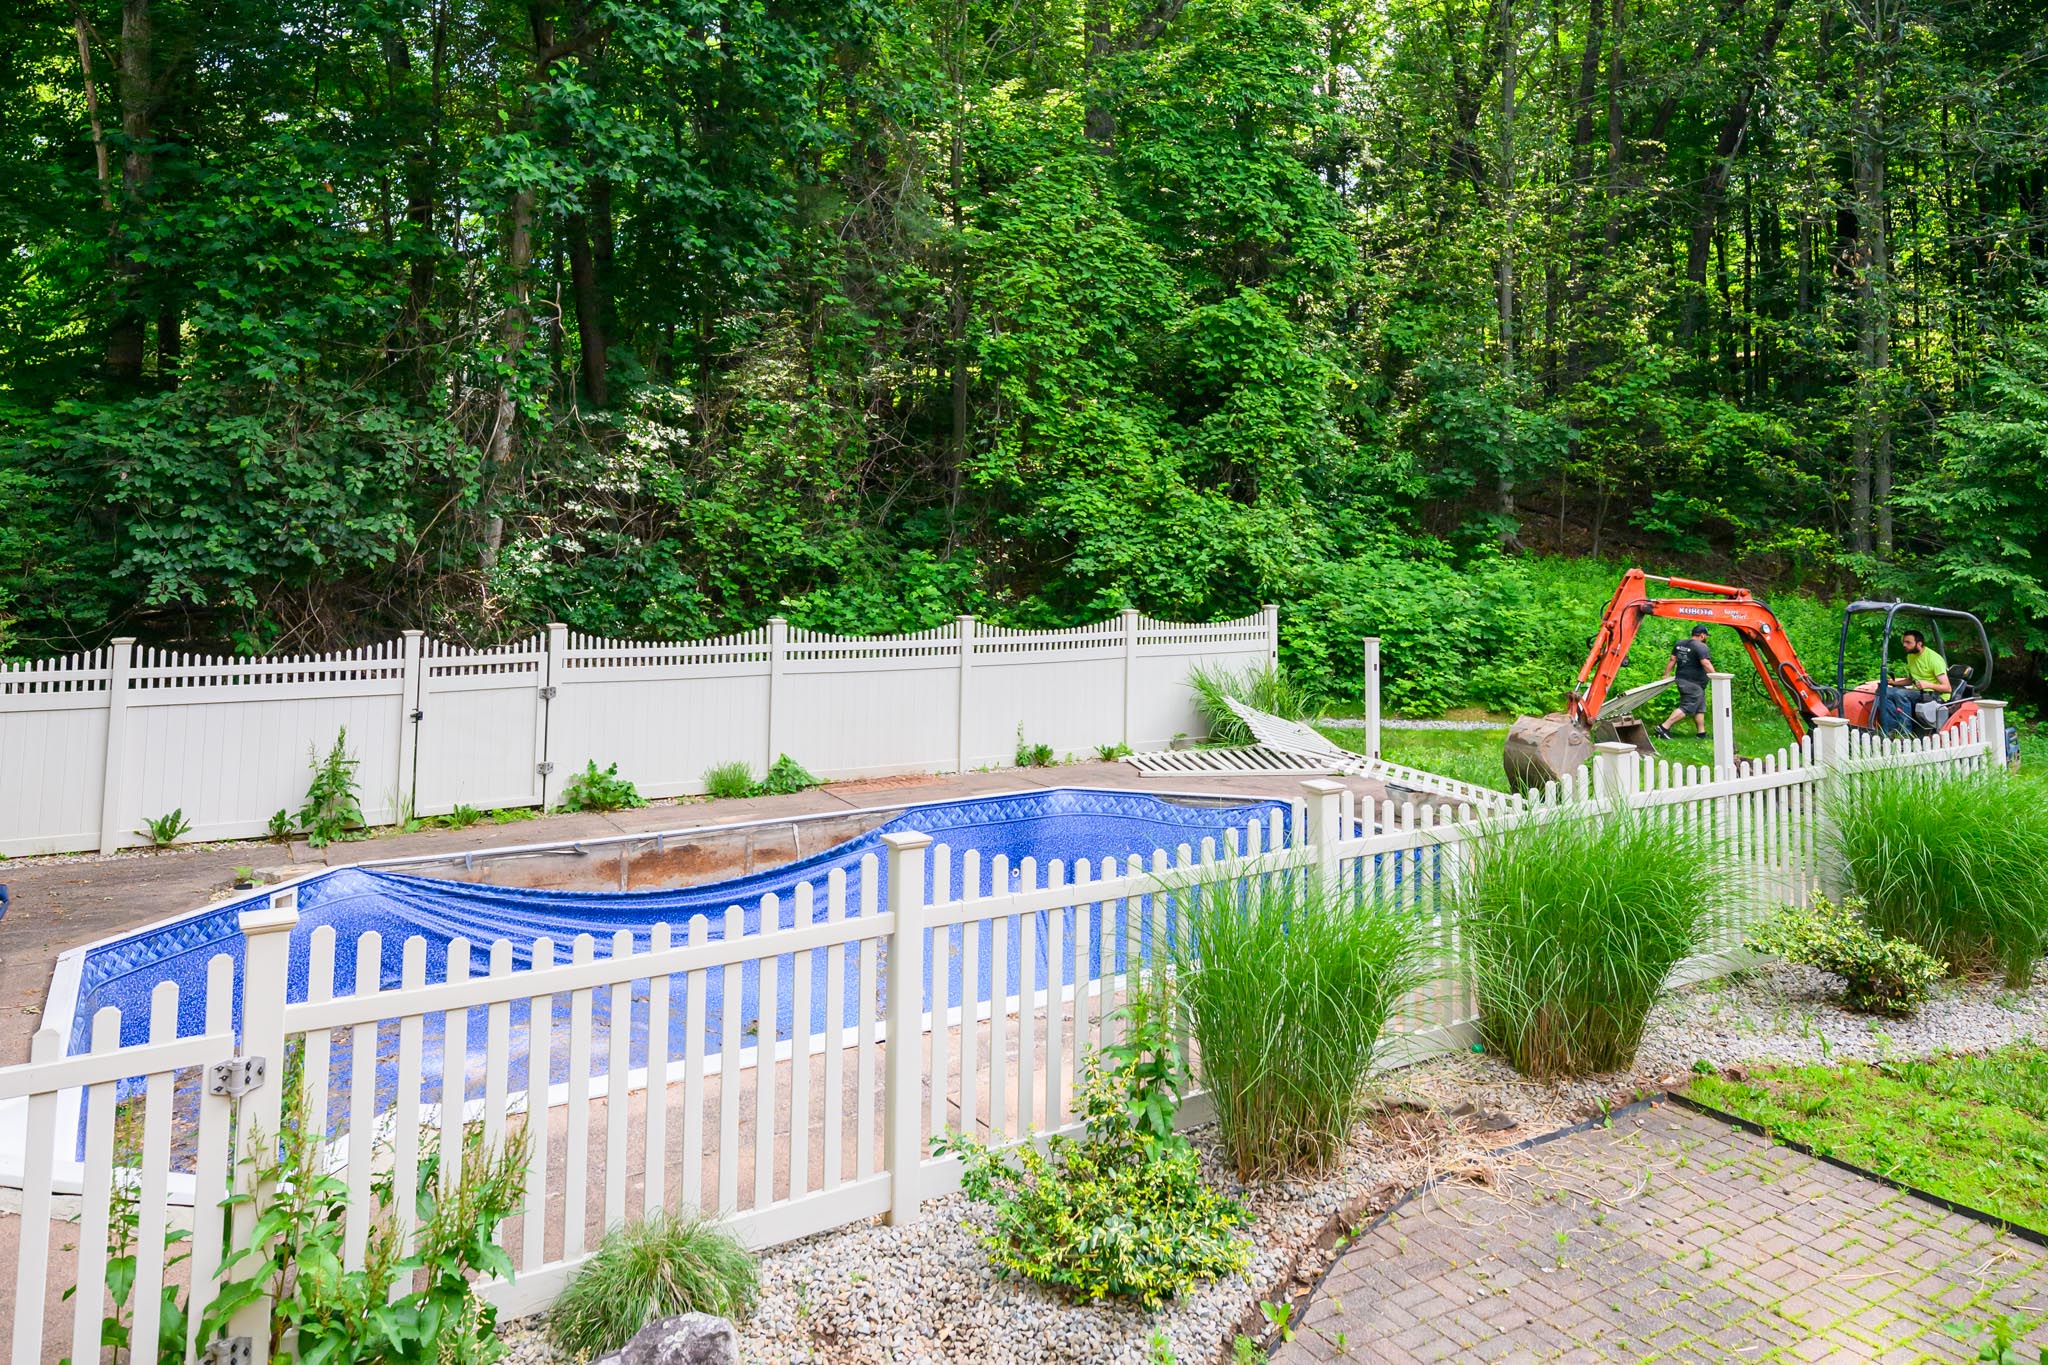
(686,1339)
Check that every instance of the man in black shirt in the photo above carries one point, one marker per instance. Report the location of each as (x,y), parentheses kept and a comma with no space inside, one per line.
(1689,660)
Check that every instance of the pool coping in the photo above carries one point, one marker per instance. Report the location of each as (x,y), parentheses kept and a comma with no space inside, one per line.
(60,1004)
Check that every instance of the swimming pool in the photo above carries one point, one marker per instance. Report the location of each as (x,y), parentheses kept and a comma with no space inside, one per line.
(1064,824)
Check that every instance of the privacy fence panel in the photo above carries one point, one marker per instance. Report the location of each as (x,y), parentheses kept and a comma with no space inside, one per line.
(782,1065)
(94,744)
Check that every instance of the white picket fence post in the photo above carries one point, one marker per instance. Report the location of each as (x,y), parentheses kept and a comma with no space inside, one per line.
(1721,696)
(1372,696)
(903,1094)
(1992,716)
(1830,753)
(114,769)
(266,962)
(1324,828)
(1617,772)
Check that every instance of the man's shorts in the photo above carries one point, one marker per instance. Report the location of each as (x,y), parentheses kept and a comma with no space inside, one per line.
(1692,698)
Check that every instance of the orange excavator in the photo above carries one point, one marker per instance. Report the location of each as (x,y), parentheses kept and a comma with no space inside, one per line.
(1546,748)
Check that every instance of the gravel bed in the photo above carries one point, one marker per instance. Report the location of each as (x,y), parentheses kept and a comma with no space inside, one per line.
(926,1295)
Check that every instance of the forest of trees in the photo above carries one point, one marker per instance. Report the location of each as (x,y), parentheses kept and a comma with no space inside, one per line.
(323,317)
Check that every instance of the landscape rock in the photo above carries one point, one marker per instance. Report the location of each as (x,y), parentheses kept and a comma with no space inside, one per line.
(686,1339)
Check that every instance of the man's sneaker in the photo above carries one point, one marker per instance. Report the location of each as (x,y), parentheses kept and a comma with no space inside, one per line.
(1661,733)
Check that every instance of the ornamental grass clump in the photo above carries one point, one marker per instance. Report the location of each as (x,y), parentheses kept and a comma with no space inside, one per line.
(1953,860)
(1287,989)
(656,1268)
(1880,975)
(1265,689)
(1573,925)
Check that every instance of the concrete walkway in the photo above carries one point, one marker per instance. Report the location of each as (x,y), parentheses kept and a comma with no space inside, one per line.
(1672,1237)
(63,902)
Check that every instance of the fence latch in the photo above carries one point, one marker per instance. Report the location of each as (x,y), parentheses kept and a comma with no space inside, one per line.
(230,1351)
(548,693)
(543,768)
(235,1077)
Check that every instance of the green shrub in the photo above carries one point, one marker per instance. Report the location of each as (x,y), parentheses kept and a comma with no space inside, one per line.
(655,1268)
(1287,990)
(333,806)
(281,825)
(594,790)
(1265,689)
(1110,753)
(1573,924)
(164,830)
(462,817)
(1033,755)
(786,775)
(1883,975)
(729,780)
(1123,1213)
(1954,861)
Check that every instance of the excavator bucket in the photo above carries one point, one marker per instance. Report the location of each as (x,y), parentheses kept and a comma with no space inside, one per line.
(1544,749)
(1551,748)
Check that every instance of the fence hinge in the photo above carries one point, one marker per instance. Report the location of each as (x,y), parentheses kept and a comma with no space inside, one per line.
(235,1077)
(230,1351)
(543,768)
(548,693)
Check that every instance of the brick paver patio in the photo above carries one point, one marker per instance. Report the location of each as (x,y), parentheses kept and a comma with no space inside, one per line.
(1672,1237)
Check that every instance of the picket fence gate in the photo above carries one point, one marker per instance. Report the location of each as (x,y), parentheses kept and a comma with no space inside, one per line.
(784,1131)
(115,736)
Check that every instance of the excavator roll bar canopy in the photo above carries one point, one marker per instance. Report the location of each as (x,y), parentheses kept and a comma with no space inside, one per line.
(1915,612)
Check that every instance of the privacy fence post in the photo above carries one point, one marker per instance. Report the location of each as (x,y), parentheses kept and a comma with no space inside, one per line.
(778,647)
(1324,821)
(1272,611)
(1372,696)
(1721,691)
(1617,772)
(966,626)
(903,1095)
(554,675)
(409,716)
(1130,619)
(1992,715)
(114,769)
(266,960)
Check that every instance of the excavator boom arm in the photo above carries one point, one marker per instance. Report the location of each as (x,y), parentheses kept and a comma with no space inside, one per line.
(1772,654)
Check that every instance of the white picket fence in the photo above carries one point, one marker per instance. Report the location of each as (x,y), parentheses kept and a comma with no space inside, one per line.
(782,1129)
(93,744)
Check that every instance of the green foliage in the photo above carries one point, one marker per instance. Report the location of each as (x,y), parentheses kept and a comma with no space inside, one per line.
(280,825)
(1123,1213)
(729,780)
(786,775)
(1969,1128)
(1269,689)
(1110,753)
(658,1267)
(462,817)
(1574,922)
(600,791)
(333,805)
(1881,975)
(1953,860)
(1287,989)
(336,1315)
(164,830)
(1031,755)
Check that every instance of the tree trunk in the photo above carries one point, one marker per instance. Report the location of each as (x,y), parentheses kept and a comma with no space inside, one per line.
(1504,484)
(1873,439)
(1098,120)
(590,334)
(92,106)
(1734,127)
(127,335)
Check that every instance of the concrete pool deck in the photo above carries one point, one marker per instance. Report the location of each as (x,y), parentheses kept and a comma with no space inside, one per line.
(65,901)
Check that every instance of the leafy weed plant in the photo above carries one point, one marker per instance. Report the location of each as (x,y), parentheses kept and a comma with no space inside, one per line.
(785,775)
(1287,989)
(1954,861)
(655,1268)
(333,807)
(1574,923)
(600,791)
(164,830)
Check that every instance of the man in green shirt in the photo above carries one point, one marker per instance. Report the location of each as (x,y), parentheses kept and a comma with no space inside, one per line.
(1925,679)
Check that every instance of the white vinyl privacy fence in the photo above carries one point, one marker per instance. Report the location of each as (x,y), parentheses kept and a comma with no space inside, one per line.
(94,744)
(817,1055)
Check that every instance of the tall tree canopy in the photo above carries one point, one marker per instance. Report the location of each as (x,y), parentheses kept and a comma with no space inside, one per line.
(659,316)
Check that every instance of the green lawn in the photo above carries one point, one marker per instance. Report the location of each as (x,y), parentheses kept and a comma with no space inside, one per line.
(1971,1129)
